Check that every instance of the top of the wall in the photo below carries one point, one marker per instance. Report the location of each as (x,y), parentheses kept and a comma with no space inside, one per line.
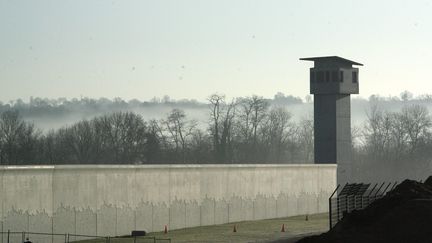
(162,166)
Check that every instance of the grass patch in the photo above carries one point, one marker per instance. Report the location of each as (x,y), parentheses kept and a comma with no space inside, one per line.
(247,231)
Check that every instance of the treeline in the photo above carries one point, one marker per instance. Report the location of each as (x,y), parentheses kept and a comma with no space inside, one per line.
(389,145)
(37,106)
(244,130)
(394,145)
(40,107)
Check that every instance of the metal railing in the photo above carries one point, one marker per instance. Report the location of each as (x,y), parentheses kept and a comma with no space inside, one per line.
(354,196)
(39,237)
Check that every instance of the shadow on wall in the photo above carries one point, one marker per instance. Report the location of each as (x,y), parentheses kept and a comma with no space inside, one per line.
(119,200)
(114,221)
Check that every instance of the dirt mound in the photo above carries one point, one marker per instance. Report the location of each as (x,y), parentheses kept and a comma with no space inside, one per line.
(428,181)
(402,215)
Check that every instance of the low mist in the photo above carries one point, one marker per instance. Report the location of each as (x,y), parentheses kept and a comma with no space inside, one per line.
(391,136)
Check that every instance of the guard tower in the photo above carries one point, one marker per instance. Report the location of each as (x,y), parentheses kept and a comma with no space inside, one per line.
(332,80)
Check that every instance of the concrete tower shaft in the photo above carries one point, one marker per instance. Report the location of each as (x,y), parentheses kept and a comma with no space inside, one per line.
(332,81)
(332,128)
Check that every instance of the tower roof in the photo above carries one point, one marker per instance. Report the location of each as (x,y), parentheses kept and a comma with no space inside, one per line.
(331,58)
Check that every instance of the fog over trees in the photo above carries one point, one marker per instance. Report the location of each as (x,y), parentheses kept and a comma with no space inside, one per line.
(243,130)
(394,139)
(397,144)
(49,114)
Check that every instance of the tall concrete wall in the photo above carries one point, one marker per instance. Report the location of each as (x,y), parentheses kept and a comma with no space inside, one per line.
(113,200)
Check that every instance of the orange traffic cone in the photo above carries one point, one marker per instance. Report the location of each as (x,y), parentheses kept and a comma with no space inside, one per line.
(235,229)
(283,228)
(166,229)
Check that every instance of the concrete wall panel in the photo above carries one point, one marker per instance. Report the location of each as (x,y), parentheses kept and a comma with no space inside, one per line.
(17,221)
(63,221)
(208,211)
(260,207)
(177,215)
(144,212)
(86,223)
(193,214)
(107,220)
(221,212)
(292,205)
(235,209)
(114,199)
(125,220)
(302,204)
(74,188)
(282,206)
(152,185)
(161,216)
(271,208)
(247,208)
(28,189)
(40,222)
(324,202)
(1,202)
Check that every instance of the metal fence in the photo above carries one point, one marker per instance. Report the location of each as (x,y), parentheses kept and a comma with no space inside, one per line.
(38,237)
(354,196)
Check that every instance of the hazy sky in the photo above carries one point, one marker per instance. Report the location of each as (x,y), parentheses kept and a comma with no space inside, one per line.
(192,48)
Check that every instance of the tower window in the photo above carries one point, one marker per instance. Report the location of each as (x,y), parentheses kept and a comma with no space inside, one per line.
(341,76)
(320,76)
(312,76)
(335,76)
(327,76)
(354,77)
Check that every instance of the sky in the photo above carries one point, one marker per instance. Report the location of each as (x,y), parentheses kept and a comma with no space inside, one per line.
(194,48)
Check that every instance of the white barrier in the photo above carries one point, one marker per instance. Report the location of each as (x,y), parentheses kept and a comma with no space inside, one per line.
(115,199)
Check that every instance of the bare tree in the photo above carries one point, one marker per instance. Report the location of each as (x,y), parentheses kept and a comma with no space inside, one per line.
(377,133)
(156,142)
(122,136)
(259,109)
(417,123)
(276,133)
(17,139)
(82,142)
(217,102)
(201,145)
(306,139)
(221,125)
(48,143)
(179,130)
(251,116)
